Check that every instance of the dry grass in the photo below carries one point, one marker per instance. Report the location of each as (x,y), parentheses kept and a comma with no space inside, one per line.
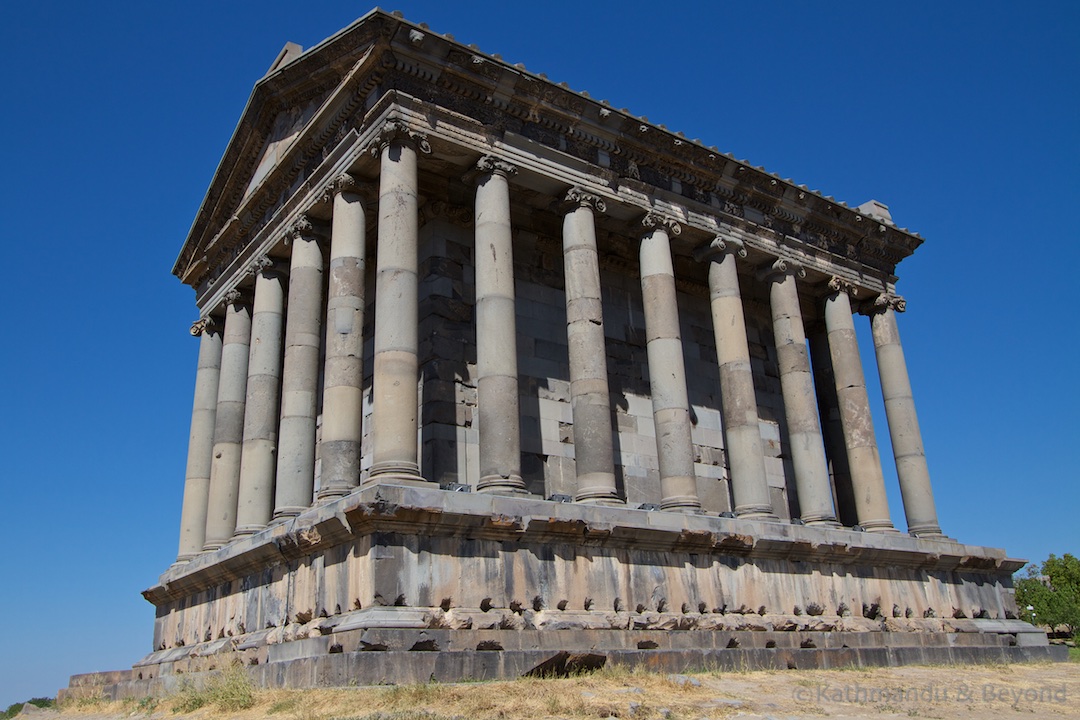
(616,692)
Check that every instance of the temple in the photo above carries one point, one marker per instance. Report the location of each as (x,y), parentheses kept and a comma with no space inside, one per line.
(497,379)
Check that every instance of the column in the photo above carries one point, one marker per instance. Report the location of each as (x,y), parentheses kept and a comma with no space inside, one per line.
(800,405)
(496,332)
(394,416)
(590,401)
(831,427)
(667,371)
(864,462)
(255,504)
(300,374)
(746,460)
(343,388)
(201,439)
(911,468)
(228,422)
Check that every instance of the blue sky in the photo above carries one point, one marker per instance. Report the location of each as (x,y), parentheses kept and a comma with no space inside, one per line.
(963,117)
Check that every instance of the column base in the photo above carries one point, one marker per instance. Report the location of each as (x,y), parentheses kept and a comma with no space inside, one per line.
(396,471)
(502,485)
(878,526)
(926,531)
(756,512)
(211,547)
(333,492)
(284,513)
(245,530)
(597,489)
(687,504)
(821,522)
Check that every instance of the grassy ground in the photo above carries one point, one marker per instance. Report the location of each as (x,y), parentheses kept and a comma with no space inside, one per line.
(992,692)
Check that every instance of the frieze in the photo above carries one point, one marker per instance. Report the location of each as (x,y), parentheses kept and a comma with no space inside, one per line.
(460,215)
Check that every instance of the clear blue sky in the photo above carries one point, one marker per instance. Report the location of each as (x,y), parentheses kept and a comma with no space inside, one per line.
(963,117)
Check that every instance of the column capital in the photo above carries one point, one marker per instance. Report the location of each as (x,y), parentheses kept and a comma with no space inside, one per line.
(267,264)
(301,228)
(341,184)
(719,247)
(883,302)
(396,130)
(202,325)
(780,268)
(838,284)
(494,165)
(236,296)
(656,221)
(580,197)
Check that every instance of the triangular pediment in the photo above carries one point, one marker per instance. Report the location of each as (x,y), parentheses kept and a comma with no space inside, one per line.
(304,114)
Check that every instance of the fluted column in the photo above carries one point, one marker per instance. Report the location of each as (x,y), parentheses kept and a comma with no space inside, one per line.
(496,332)
(864,461)
(394,416)
(589,399)
(255,504)
(911,468)
(228,422)
(667,371)
(746,459)
(800,404)
(201,439)
(300,374)
(343,388)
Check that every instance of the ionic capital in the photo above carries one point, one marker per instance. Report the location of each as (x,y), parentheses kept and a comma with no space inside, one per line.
(579,197)
(781,268)
(341,184)
(655,221)
(202,325)
(493,165)
(719,247)
(840,285)
(265,263)
(885,301)
(236,296)
(301,229)
(396,130)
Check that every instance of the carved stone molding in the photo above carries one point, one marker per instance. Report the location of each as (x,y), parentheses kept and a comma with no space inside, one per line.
(656,221)
(719,247)
(579,197)
(396,130)
(489,164)
(840,285)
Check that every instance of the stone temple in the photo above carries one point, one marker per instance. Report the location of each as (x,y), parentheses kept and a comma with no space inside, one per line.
(495,378)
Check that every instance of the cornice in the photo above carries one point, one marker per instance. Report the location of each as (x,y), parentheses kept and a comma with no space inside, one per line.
(387,53)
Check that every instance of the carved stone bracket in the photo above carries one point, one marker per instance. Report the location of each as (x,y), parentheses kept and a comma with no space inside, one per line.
(719,247)
(656,221)
(577,196)
(493,164)
(781,267)
(396,130)
(840,285)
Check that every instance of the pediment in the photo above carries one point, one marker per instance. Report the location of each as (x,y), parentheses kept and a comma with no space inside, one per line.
(313,103)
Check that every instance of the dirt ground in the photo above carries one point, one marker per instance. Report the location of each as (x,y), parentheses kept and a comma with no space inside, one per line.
(992,692)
